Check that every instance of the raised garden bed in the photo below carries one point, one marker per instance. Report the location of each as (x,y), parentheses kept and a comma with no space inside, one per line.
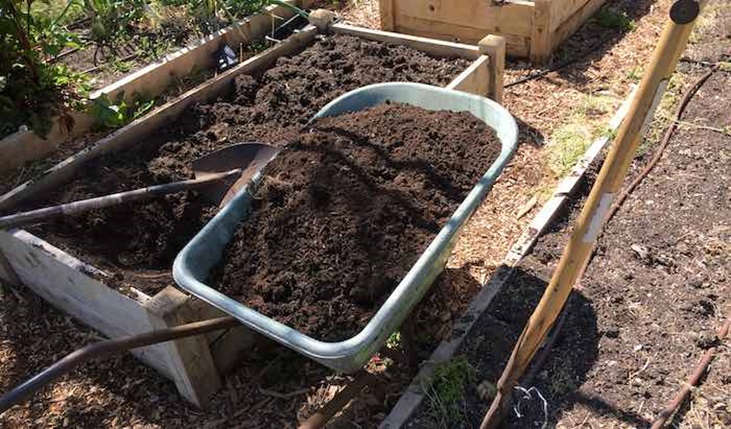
(150,81)
(85,292)
(532,29)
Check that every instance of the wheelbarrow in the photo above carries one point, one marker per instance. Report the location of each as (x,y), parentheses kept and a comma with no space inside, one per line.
(193,264)
(203,252)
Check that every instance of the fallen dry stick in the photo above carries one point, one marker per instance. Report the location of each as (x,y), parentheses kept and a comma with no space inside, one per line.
(694,379)
(341,399)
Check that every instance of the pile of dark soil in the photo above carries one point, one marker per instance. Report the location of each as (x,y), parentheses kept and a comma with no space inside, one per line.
(128,241)
(346,209)
(274,106)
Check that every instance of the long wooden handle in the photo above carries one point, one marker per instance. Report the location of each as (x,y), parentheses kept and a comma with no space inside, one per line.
(82,206)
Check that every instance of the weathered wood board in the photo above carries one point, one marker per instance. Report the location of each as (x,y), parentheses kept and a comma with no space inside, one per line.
(532,29)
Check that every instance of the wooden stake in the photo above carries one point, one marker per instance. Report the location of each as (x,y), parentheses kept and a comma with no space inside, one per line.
(662,65)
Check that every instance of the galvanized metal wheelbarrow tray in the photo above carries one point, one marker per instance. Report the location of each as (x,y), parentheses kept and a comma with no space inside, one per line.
(203,252)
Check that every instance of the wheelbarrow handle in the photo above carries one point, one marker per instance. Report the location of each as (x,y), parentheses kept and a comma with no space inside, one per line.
(95,203)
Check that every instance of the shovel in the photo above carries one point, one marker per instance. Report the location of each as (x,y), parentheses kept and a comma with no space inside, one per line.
(219,175)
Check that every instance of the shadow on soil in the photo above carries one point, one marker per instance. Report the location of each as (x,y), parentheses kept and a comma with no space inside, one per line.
(499,329)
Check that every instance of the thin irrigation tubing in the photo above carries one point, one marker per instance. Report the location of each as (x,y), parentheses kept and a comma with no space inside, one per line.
(107,348)
(557,67)
(663,144)
(693,381)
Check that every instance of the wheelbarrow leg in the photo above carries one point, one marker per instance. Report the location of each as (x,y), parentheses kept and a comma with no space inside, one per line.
(408,339)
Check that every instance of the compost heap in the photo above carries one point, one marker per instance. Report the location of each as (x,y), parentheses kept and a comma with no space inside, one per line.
(346,209)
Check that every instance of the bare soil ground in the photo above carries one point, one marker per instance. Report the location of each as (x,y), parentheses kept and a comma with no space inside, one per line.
(649,305)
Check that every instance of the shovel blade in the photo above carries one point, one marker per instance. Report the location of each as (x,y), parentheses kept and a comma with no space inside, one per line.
(250,158)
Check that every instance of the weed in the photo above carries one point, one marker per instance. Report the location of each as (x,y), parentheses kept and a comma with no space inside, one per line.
(593,105)
(118,113)
(569,141)
(614,19)
(394,340)
(635,74)
(121,66)
(258,46)
(446,394)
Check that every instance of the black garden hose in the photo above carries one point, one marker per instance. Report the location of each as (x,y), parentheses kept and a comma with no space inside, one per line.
(107,348)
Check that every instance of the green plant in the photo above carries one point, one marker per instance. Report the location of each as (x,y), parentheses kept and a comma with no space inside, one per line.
(112,20)
(569,140)
(394,340)
(34,90)
(117,113)
(446,394)
(614,19)
(635,74)
(211,13)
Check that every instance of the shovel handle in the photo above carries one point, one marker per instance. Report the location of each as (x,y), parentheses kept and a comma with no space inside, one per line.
(82,206)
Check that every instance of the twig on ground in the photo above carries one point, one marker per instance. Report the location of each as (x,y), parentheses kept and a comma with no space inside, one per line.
(693,381)
(726,131)
(287,395)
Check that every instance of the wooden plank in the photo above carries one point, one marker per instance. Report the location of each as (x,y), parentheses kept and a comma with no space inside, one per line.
(475,79)
(568,27)
(7,274)
(189,359)
(154,79)
(494,47)
(70,285)
(23,146)
(136,131)
(540,40)
(517,44)
(564,189)
(226,346)
(385,8)
(562,10)
(438,48)
(491,18)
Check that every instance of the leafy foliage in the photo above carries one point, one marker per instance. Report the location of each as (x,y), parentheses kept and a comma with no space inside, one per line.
(112,18)
(614,19)
(34,90)
(119,113)
(446,394)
